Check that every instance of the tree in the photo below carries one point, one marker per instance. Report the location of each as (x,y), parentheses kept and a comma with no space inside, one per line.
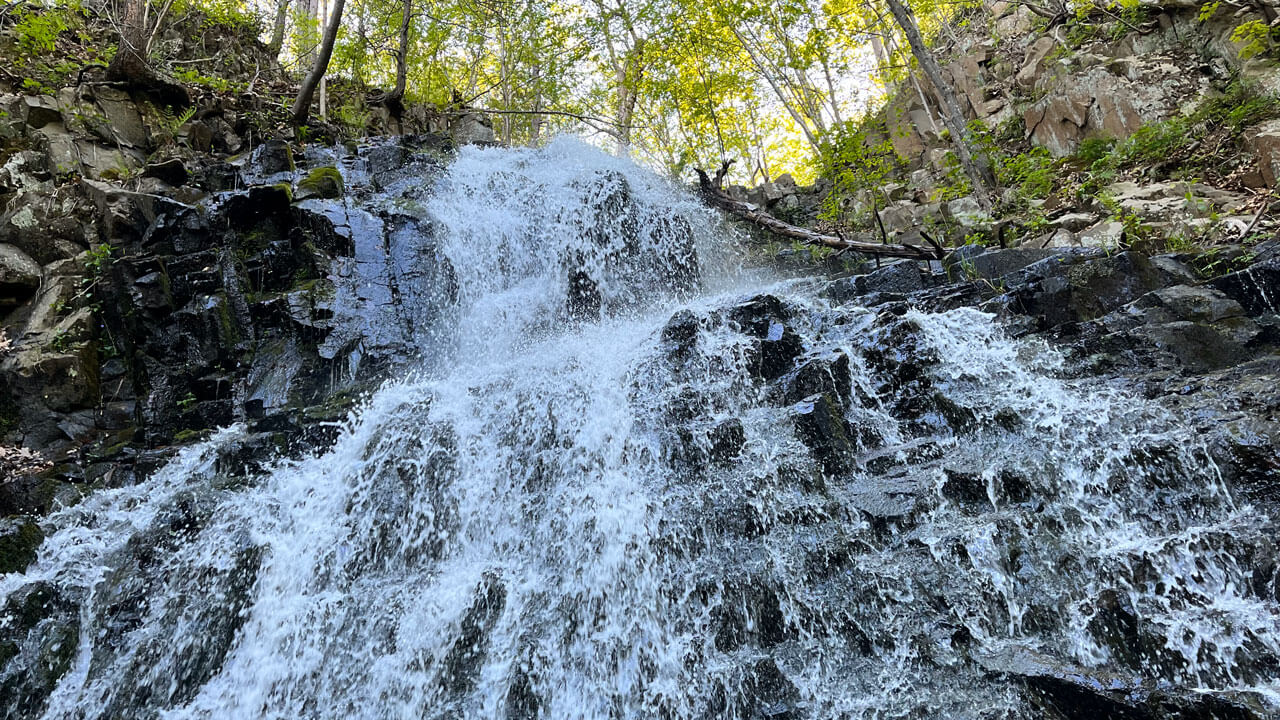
(130,65)
(396,97)
(628,55)
(302,105)
(278,28)
(974,163)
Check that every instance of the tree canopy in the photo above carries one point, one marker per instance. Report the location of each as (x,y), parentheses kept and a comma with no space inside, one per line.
(679,83)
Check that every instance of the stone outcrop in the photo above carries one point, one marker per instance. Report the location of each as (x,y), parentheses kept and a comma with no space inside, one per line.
(146,304)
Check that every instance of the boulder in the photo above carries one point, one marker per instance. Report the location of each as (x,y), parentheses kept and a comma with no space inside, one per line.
(1264,142)
(1032,64)
(322,182)
(1080,286)
(172,171)
(123,119)
(41,110)
(1106,234)
(968,213)
(471,128)
(271,158)
(49,225)
(19,277)
(1074,222)
(25,170)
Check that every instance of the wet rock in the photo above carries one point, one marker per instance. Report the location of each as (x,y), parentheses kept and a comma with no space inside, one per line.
(1256,288)
(20,538)
(767,319)
(771,694)
(680,335)
(324,182)
(994,264)
(727,440)
(828,374)
(1185,302)
(271,158)
(1074,288)
(462,662)
(821,426)
(898,279)
(749,612)
(37,649)
(1078,693)
(584,302)
(209,628)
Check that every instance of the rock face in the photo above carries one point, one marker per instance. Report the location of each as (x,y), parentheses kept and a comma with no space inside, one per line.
(163,318)
(19,277)
(1107,98)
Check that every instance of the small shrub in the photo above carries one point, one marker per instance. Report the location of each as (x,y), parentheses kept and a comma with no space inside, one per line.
(37,31)
(859,158)
(1255,36)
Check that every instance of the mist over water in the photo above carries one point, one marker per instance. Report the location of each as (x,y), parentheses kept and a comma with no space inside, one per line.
(606,500)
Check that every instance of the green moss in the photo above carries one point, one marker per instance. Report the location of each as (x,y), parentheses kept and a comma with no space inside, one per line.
(226,326)
(325,182)
(18,545)
(285,187)
(184,437)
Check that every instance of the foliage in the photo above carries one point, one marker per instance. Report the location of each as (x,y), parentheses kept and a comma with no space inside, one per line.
(37,30)
(1255,36)
(1178,142)
(192,76)
(1034,174)
(859,159)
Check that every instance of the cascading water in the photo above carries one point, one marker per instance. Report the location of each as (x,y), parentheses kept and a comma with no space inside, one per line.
(643,485)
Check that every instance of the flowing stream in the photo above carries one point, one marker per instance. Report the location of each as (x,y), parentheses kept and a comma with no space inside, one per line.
(637,481)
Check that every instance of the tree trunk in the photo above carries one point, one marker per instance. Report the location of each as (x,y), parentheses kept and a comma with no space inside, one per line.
(302,105)
(308,10)
(712,194)
(130,59)
(130,66)
(278,28)
(396,97)
(975,164)
(629,74)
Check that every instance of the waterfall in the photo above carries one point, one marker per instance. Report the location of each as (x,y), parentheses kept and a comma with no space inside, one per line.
(635,481)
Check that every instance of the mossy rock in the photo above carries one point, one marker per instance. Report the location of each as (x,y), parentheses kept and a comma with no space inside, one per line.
(323,182)
(20,540)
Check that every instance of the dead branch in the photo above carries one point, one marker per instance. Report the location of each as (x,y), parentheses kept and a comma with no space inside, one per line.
(714,196)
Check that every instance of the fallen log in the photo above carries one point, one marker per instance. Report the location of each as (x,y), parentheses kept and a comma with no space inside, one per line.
(716,197)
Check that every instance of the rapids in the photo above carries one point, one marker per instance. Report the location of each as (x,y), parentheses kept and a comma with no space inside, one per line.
(632,479)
